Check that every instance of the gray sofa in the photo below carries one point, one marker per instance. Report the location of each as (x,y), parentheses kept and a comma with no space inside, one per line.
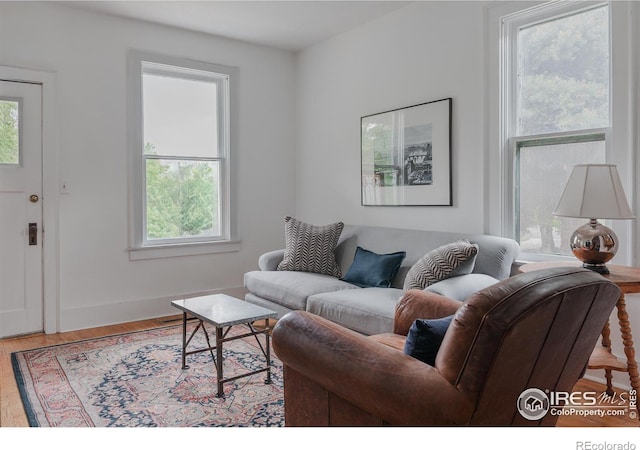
(371,310)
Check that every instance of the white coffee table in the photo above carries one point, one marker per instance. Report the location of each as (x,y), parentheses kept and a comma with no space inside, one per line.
(223,311)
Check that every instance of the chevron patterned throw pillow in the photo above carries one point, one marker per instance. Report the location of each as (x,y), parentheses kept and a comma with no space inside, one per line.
(438,264)
(309,248)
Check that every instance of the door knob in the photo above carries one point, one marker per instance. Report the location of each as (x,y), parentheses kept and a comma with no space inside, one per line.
(34,198)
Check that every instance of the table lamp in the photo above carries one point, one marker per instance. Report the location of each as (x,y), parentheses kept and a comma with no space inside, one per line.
(594,191)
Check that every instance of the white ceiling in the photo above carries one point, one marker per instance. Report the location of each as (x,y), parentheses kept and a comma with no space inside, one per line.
(290,25)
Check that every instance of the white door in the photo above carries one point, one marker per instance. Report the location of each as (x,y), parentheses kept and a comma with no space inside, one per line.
(21,276)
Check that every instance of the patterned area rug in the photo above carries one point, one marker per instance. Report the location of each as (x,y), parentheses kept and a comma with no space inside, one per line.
(136,380)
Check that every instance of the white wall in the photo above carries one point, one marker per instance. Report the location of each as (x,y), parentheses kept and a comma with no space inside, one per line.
(426,51)
(88,53)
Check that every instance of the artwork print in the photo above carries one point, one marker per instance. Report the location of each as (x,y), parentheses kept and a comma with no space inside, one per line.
(418,155)
(406,156)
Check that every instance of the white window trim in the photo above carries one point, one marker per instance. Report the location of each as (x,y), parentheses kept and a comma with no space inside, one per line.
(619,138)
(139,247)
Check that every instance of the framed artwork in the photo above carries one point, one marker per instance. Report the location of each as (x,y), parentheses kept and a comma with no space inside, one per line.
(406,156)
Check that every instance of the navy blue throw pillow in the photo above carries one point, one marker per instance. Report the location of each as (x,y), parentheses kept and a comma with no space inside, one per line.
(424,338)
(370,269)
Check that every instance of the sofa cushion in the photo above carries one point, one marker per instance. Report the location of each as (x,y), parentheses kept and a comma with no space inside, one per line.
(425,337)
(462,287)
(366,310)
(310,248)
(370,269)
(290,288)
(439,264)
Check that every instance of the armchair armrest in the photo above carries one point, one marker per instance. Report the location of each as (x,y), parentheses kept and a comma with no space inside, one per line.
(417,304)
(371,376)
(270,260)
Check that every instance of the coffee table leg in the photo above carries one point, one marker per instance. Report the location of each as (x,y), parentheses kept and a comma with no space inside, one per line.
(184,341)
(206,337)
(218,362)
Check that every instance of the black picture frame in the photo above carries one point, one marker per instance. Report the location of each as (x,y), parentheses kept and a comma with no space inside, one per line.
(406,156)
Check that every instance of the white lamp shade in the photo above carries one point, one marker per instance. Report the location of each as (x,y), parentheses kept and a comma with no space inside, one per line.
(594,191)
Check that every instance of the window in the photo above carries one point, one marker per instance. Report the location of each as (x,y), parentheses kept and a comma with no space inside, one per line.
(556,114)
(180,154)
(9,132)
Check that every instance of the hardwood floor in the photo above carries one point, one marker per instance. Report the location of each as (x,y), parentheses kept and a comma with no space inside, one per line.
(12,413)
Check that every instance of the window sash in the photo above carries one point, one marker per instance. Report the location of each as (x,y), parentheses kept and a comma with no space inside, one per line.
(220,80)
(527,143)
(521,88)
(218,203)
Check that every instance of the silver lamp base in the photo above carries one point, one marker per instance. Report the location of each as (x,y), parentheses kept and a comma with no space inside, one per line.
(594,244)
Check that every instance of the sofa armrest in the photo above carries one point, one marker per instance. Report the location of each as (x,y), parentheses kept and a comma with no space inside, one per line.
(416,304)
(382,381)
(495,256)
(270,260)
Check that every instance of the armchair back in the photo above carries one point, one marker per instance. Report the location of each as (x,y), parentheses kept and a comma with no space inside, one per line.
(533,330)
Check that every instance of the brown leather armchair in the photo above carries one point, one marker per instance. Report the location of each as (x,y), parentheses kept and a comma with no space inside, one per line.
(534,330)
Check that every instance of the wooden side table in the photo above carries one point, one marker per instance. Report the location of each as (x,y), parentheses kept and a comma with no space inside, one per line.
(628,280)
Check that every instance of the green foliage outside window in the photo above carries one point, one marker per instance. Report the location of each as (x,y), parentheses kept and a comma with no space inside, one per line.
(9,153)
(564,74)
(182,198)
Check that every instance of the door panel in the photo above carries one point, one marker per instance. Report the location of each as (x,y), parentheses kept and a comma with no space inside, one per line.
(21,295)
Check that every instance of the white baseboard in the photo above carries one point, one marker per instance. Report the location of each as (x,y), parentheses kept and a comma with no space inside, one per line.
(114,313)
